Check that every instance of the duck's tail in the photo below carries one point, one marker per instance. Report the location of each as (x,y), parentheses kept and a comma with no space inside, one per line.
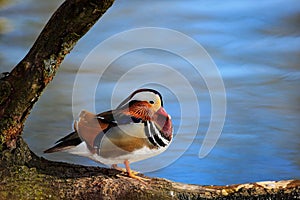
(65,143)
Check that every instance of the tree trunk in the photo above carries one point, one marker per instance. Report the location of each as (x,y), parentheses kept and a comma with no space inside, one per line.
(23,175)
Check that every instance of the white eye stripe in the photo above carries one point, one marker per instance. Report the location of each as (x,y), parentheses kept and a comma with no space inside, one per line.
(145,96)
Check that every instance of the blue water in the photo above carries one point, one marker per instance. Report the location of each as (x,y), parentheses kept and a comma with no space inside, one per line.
(255,47)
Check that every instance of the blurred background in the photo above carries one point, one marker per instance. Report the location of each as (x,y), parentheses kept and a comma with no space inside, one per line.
(256,47)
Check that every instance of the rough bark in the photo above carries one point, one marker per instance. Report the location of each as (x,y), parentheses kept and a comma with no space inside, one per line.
(31,177)
(23,175)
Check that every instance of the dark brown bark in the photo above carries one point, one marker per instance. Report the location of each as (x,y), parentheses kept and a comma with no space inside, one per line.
(23,175)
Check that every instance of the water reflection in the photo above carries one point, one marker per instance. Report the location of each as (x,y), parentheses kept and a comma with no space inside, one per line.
(256,47)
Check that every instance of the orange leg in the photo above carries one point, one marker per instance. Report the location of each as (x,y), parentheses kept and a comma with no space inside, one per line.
(131,173)
(115,166)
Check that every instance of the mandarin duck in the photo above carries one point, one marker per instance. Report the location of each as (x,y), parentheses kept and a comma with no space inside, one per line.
(139,128)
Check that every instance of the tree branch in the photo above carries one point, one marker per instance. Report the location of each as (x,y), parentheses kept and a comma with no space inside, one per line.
(36,178)
(24,85)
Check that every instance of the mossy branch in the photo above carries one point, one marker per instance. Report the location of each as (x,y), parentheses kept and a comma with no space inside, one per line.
(26,176)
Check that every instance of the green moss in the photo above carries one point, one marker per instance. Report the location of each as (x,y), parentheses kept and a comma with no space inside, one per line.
(26,183)
(2,142)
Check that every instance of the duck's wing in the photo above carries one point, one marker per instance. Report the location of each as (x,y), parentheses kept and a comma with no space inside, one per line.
(112,133)
(86,129)
(89,126)
(92,128)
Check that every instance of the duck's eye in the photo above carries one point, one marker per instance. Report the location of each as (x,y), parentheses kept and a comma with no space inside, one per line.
(151,102)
